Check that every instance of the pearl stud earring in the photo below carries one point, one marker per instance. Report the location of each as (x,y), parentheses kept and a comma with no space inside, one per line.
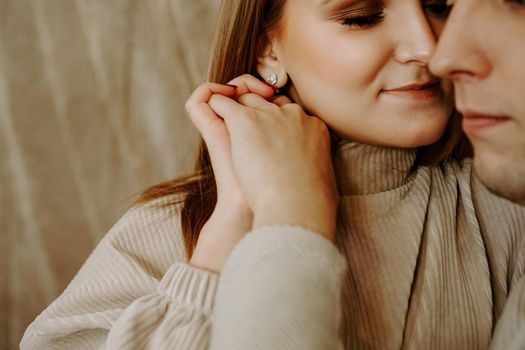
(272,79)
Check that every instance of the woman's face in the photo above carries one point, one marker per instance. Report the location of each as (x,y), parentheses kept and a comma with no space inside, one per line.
(362,67)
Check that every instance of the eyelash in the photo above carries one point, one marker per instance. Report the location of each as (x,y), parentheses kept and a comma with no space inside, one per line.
(436,8)
(363,21)
(517,2)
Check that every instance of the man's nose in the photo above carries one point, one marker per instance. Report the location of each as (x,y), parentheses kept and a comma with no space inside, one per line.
(459,54)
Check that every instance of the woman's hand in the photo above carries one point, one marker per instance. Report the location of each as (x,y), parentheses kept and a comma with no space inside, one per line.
(232,217)
(281,157)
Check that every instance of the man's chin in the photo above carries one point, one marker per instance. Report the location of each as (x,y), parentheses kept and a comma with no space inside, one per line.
(504,178)
(516,197)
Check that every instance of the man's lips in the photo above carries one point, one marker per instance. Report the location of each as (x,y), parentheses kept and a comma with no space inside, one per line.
(475,122)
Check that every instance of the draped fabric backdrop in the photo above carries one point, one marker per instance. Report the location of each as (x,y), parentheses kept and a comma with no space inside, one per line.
(92,99)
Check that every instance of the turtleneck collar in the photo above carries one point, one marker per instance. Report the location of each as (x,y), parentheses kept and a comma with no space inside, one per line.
(364,169)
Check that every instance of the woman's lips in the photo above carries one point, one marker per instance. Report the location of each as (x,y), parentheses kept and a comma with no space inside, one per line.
(417,91)
(475,122)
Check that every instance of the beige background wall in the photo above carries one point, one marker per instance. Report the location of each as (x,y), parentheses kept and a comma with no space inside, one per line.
(91,112)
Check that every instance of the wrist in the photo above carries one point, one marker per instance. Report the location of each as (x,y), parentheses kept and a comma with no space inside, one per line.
(227,225)
(232,207)
(315,215)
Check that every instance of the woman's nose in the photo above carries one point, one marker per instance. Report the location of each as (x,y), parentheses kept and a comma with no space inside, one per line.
(417,41)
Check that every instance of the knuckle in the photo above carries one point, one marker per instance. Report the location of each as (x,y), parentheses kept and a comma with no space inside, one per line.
(250,77)
(244,78)
(284,100)
(323,128)
(244,98)
(320,126)
(293,108)
(204,86)
(188,106)
(274,109)
(325,133)
(296,107)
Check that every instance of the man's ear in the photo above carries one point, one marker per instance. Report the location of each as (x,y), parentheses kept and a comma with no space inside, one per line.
(268,64)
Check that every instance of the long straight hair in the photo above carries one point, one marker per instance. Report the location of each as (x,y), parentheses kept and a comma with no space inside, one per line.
(242,31)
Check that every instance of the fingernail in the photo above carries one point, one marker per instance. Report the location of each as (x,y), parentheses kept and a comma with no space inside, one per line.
(233,86)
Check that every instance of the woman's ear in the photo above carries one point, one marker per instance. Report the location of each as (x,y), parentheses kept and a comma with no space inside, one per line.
(271,68)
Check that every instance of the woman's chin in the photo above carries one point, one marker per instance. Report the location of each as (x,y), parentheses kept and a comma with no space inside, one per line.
(401,140)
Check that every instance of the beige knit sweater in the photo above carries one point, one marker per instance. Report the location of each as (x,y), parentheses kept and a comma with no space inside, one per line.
(426,259)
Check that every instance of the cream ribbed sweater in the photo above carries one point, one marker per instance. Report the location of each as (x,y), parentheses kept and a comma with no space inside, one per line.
(425,260)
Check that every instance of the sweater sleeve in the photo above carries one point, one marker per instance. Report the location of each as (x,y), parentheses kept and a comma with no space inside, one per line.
(280,289)
(135,291)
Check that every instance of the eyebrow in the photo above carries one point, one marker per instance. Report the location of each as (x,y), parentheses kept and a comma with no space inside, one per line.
(322,3)
(325,2)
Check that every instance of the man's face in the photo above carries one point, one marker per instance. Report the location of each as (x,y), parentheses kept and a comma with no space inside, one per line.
(482,49)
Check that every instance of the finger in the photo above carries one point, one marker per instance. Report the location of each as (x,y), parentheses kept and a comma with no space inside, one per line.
(211,127)
(204,92)
(205,120)
(202,116)
(226,108)
(280,100)
(247,83)
(254,101)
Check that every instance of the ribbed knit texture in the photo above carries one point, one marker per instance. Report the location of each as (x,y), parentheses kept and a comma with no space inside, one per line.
(426,259)
(135,291)
(429,265)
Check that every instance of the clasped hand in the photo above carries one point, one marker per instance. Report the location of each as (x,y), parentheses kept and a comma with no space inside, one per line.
(271,163)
